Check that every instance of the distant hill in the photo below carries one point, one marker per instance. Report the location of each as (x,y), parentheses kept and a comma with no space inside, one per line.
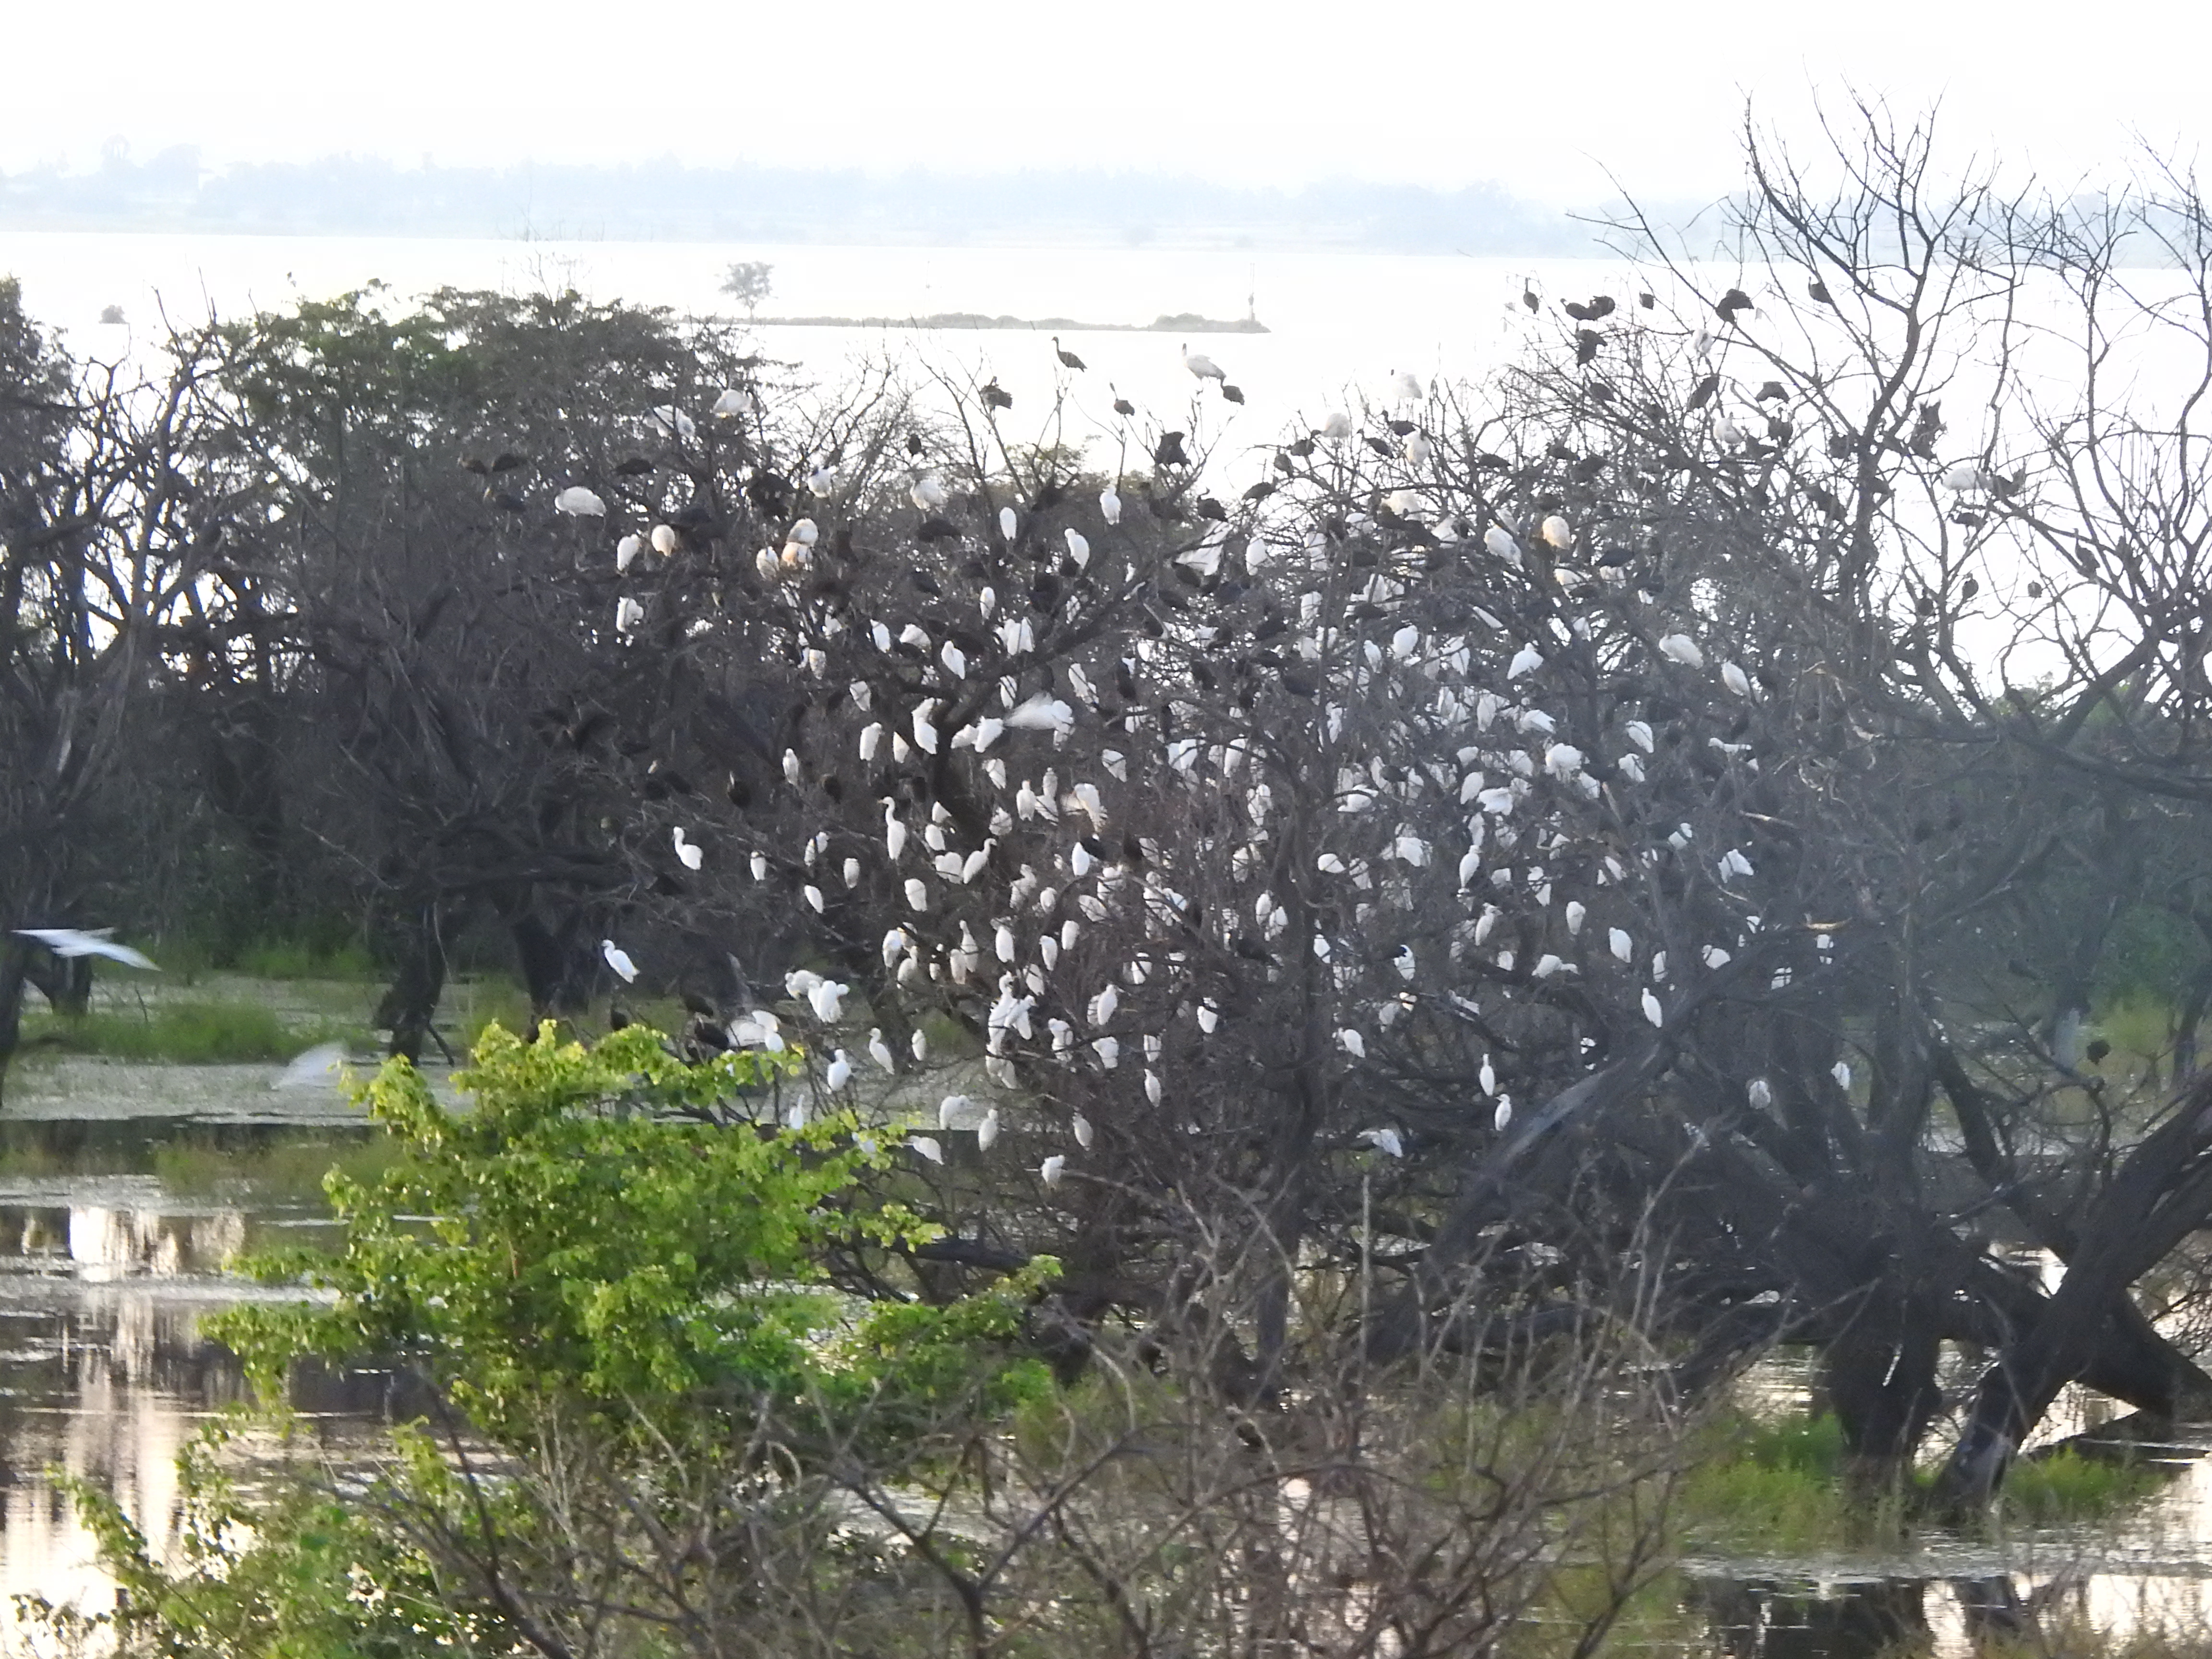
(667,201)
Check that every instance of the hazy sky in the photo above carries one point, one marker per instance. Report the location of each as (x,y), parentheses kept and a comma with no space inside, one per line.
(1538,97)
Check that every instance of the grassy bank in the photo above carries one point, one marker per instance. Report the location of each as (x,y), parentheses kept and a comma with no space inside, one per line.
(1780,1487)
(191,1033)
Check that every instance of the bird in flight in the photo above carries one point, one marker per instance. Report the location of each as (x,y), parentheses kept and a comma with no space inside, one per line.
(74,942)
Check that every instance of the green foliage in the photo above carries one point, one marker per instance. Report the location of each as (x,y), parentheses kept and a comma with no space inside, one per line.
(2064,1485)
(626,1299)
(1780,1484)
(589,1249)
(294,1573)
(190,1033)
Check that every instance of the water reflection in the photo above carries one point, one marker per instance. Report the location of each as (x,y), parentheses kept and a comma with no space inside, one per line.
(105,1279)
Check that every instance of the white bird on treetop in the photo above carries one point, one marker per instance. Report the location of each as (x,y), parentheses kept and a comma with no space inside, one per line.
(1202,366)
(928,492)
(1109,505)
(579,503)
(618,959)
(74,941)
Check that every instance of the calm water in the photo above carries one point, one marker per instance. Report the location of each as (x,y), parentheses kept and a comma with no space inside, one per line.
(1339,321)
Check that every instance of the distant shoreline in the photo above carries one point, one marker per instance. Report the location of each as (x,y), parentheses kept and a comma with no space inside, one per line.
(1182,323)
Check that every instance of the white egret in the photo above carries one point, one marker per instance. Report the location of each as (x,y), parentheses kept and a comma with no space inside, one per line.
(1680,647)
(1639,733)
(1622,947)
(630,615)
(1384,1140)
(1109,507)
(1203,365)
(841,1070)
(578,502)
(687,852)
(1353,1043)
(1050,1169)
(1078,545)
(1760,1093)
(928,492)
(1526,660)
(1735,679)
(1652,1012)
(880,1051)
(759,862)
(1558,533)
(1503,1114)
(323,1064)
(927,1146)
(814,898)
(626,550)
(618,959)
(74,942)
(1083,1133)
(1007,522)
(920,1045)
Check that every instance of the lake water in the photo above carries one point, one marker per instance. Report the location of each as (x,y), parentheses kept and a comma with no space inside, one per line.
(1337,322)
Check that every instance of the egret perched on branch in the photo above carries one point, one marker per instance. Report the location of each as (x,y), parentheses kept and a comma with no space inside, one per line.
(73,942)
(687,851)
(618,959)
(578,502)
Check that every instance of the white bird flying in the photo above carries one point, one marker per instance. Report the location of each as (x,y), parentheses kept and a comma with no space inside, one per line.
(322,1064)
(618,959)
(74,941)
(1384,1140)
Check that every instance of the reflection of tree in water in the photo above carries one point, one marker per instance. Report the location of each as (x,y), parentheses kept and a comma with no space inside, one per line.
(1751,1619)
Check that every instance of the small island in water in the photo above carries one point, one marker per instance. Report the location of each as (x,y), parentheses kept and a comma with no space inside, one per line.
(1182,322)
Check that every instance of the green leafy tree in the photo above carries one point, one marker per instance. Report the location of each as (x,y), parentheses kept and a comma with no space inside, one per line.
(648,1418)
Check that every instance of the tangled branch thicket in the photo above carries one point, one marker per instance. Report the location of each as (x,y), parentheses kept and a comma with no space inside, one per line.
(1431,952)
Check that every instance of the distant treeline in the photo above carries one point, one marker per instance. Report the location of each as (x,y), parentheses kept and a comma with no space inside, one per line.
(664,200)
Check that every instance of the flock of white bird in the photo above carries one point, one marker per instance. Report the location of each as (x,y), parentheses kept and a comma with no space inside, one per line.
(999,915)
